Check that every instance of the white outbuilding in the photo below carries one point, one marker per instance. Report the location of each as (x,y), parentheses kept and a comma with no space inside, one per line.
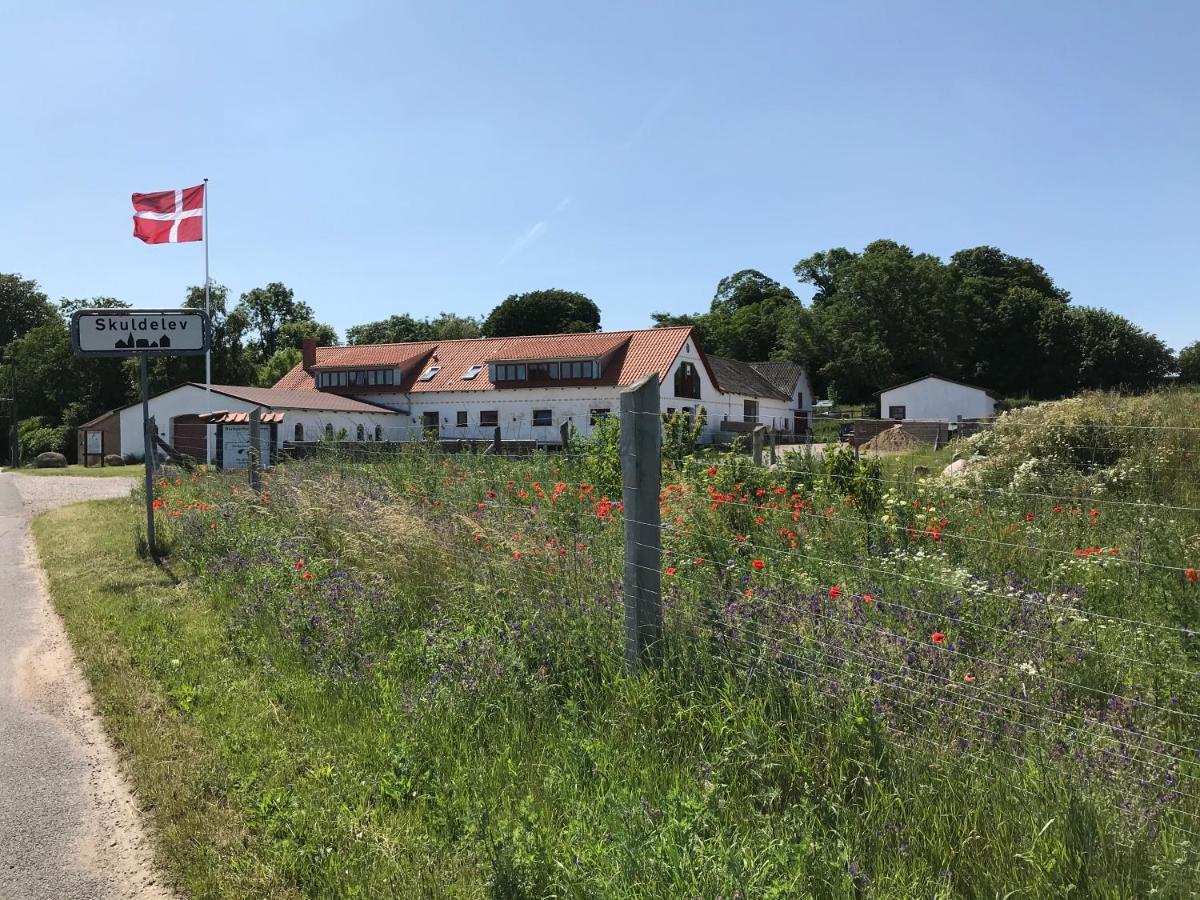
(214,424)
(934,398)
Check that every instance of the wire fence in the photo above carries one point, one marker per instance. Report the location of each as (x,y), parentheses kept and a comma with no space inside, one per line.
(1023,598)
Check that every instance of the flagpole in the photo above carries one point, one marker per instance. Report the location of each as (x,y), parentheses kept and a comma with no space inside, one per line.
(207,305)
(210,432)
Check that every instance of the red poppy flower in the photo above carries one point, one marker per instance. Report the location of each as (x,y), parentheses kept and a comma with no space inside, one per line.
(1029,517)
(969,677)
(938,638)
(670,570)
(299,564)
(516,554)
(699,561)
(712,471)
(867,598)
(1190,575)
(307,576)
(835,592)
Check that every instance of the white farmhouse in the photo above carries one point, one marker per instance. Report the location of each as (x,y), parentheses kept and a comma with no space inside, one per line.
(529,386)
(933,398)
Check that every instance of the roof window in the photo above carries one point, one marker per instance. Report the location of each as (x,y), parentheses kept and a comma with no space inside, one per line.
(472,372)
(428,374)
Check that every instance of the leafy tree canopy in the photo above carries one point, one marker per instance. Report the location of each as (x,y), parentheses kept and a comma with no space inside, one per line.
(267,310)
(542,312)
(1189,363)
(751,317)
(22,306)
(280,363)
(292,334)
(404,328)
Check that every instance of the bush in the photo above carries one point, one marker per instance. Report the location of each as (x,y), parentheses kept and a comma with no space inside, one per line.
(37,436)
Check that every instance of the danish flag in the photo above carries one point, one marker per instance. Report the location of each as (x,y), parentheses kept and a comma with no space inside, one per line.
(169,217)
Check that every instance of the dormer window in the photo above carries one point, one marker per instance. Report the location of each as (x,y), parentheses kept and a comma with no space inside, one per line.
(542,371)
(470,374)
(428,374)
(510,372)
(356,378)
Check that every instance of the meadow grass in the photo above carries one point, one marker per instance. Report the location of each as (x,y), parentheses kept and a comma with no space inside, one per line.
(403,676)
(137,471)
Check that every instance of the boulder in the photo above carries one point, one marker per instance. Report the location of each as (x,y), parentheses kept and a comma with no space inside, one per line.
(114,459)
(956,468)
(50,460)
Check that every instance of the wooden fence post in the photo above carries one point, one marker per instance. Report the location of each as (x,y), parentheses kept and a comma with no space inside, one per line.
(564,431)
(496,441)
(641,476)
(756,443)
(255,419)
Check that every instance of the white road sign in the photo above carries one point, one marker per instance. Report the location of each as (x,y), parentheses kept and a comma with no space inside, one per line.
(128,332)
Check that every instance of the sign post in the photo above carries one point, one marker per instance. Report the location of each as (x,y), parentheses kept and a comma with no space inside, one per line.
(142,333)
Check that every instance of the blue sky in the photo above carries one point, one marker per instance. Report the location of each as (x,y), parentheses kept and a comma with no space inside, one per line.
(387,158)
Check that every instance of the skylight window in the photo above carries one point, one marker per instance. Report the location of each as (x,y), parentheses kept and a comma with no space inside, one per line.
(428,374)
(472,372)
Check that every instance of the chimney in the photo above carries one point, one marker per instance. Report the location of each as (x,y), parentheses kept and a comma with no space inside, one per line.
(308,353)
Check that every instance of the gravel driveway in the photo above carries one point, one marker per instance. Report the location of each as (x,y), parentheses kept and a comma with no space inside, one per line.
(69,826)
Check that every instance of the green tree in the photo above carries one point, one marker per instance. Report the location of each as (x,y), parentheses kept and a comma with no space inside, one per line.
(232,361)
(58,389)
(1115,353)
(451,327)
(280,363)
(749,319)
(542,312)
(1189,363)
(401,329)
(267,310)
(23,306)
(292,334)
(885,314)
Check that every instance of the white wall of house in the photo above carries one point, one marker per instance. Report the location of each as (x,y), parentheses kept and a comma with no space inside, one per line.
(935,398)
(515,406)
(182,401)
(345,425)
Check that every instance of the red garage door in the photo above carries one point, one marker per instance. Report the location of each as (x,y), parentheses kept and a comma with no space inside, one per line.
(190,437)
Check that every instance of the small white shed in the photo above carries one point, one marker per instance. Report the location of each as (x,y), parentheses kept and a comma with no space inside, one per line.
(933,398)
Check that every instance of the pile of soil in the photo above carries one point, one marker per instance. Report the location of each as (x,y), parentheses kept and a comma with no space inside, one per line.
(893,440)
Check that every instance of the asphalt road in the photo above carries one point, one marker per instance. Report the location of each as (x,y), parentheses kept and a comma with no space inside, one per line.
(69,827)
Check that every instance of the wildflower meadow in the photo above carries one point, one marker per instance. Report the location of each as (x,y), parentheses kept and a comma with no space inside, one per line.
(408,667)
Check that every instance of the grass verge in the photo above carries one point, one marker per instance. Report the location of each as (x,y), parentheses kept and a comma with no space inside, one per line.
(129,624)
(85,471)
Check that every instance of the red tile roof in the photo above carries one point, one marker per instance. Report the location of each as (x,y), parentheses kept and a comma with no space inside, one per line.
(635,354)
(284,398)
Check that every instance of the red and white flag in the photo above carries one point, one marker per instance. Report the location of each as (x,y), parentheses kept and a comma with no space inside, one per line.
(169,217)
